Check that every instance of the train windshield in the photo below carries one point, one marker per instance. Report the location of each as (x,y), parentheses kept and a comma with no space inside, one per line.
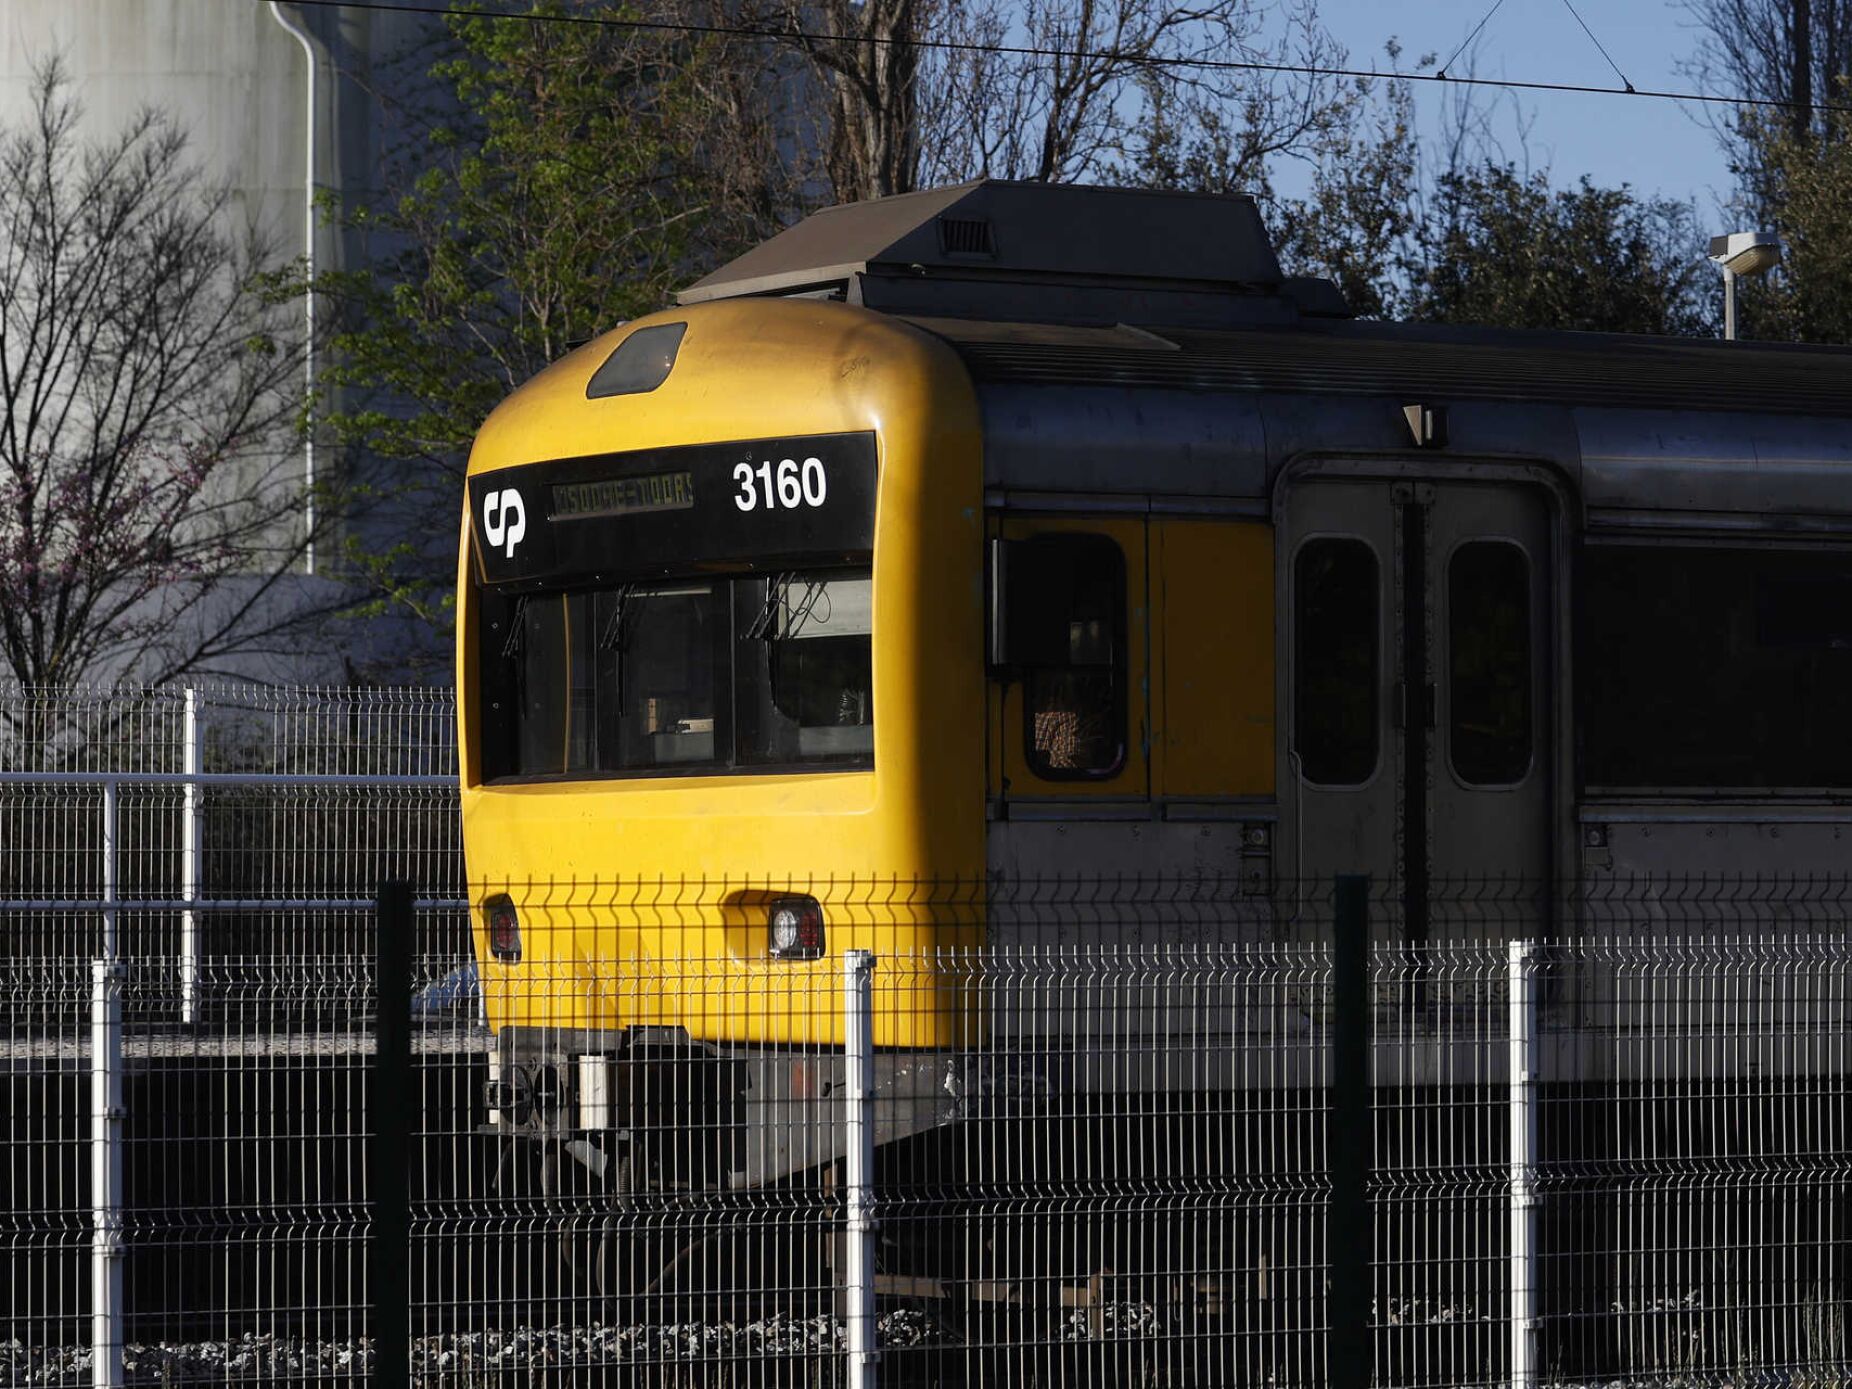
(712,675)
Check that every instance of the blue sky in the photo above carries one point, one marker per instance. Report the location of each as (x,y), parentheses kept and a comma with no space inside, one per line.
(1656,146)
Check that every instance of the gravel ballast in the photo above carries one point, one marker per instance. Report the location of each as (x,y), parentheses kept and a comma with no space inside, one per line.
(466,1358)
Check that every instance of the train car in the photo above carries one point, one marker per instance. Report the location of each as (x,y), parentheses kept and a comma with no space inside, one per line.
(1010,534)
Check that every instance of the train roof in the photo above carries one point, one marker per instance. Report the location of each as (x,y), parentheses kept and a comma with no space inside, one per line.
(1043,283)
(1414,362)
(1002,228)
(996,249)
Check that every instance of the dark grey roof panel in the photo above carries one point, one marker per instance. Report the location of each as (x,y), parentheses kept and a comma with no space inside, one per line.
(825,247)
(1012,231)
(1428,364)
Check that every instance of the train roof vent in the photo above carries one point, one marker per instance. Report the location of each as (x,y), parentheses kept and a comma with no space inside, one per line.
(966,236)
(1035,252)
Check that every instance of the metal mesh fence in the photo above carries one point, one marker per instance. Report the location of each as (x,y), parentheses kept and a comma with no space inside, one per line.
(1113,1140)
(235,796)
(1131,1131)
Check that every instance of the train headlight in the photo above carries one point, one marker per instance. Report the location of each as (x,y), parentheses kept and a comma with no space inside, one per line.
(794,929)
(504,927)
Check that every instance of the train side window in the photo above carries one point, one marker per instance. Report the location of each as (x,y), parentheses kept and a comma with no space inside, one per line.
(1335,661)
(1064,635)
(1489,681)
(1704,666)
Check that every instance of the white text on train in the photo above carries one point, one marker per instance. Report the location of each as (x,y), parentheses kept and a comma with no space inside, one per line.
(791,486)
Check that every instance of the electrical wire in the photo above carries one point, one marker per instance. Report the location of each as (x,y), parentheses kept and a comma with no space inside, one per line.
(1598,45)
(1441,71)
(1030,51)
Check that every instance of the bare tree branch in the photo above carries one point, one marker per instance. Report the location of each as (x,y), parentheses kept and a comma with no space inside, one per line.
(150,373)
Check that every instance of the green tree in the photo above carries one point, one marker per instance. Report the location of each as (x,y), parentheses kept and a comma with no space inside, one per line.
(1793,161)
(572,176)
(1507,250)
(1809,298)
(1455,233)
(1357,226)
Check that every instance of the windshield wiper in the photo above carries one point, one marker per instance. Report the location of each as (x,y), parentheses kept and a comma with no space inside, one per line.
(777,593)
(616,635)
(515,641)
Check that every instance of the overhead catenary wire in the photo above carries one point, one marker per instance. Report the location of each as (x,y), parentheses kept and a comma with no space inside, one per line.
(1038,51)
(1478,28)
(1599,46)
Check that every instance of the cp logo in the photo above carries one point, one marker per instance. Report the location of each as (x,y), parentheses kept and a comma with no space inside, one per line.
(504,519)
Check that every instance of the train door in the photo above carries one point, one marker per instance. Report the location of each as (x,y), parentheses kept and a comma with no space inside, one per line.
(1416,637)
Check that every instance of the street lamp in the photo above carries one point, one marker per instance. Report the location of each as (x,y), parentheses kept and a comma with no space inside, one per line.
(1742,253)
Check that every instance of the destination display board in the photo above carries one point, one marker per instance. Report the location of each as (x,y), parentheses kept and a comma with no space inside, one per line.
(761,502)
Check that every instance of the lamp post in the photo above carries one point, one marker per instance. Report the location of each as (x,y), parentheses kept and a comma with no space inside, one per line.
(1739,254)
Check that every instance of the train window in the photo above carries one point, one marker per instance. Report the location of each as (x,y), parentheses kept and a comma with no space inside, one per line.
(1335,661)
(614,680)
(682,676)
(1488,642)
(538,649)
(1067,628)
(1703,666)
(805,673)
(658,651)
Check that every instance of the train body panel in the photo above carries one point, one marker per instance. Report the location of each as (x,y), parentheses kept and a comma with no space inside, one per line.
(1726,473)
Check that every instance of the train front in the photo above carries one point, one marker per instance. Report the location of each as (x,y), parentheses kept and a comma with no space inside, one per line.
(720,692)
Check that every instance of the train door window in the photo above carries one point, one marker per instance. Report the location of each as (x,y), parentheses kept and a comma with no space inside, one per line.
(1066,633)
(1489,681)
(1336,661)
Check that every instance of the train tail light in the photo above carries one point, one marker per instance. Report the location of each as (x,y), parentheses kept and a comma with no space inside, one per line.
(504,928)
(794,929)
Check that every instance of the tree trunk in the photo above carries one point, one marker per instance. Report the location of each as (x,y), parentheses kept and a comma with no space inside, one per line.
(874,132)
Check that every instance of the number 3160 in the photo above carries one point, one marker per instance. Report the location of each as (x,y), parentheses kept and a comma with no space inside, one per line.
(788,486)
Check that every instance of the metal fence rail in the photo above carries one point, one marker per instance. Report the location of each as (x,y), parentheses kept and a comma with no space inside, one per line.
(171,801)
(386,806)
(1120,1137)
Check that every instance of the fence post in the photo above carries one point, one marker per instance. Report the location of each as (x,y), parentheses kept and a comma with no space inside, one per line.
(390,1106)
(858,1044)
(1349,1253)
(1522,1087)
(189,860)
(107,1321)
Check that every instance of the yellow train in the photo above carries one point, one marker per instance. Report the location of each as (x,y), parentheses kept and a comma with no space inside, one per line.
(1007,534)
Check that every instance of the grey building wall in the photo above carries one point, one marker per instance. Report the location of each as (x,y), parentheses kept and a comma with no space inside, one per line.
(239,81)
